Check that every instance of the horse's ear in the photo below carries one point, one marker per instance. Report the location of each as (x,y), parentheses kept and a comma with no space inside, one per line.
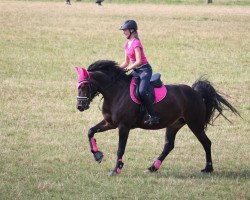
(85,73)
(77,69)
(82,73)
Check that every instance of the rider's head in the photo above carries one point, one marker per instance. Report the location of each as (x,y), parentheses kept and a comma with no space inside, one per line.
(129,27)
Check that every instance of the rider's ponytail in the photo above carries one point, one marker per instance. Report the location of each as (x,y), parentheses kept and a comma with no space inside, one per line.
(136,35)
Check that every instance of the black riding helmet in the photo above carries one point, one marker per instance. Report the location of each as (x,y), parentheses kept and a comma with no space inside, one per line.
(131,25)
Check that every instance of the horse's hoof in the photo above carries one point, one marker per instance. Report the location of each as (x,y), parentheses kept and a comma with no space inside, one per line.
(147,171)
(152,169)
(98,156)
(207,170)
(112,172)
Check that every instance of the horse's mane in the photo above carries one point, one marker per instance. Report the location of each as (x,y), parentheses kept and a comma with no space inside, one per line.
(108,67)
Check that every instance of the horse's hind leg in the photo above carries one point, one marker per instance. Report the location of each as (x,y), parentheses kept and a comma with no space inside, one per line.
(169,145)
(199,132)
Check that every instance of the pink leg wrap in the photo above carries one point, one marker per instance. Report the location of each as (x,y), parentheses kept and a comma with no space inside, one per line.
(118,171)
(95,149)
(157,164)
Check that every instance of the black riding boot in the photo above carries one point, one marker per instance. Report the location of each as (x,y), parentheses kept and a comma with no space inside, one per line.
(152,118)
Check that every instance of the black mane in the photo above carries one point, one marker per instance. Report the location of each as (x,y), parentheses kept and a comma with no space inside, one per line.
(105,65)
(109,67)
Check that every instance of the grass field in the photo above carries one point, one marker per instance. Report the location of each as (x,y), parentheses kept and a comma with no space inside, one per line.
(43,138)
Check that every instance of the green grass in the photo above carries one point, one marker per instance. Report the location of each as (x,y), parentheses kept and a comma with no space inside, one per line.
(43,138)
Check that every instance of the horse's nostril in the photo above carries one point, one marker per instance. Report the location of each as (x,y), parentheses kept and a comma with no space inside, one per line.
(79,107)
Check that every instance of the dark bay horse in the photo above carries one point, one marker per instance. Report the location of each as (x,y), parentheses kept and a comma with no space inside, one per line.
(194,106)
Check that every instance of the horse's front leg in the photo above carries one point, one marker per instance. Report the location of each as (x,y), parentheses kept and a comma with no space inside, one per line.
(100,127)
(123,137)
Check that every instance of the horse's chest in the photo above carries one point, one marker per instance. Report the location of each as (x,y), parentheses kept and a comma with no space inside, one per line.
(114,116)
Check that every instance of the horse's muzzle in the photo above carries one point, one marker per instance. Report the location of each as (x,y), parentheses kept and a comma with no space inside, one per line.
(82,103)
(82,106)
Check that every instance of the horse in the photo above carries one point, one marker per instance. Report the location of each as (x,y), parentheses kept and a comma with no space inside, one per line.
(193,106)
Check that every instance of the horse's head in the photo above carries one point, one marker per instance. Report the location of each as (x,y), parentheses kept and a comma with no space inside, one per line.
(100,77)
(86,90)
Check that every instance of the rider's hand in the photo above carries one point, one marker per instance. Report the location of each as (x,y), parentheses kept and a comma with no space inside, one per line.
(126,69)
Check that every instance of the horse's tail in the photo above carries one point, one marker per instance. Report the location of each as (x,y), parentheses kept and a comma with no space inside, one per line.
(213,101)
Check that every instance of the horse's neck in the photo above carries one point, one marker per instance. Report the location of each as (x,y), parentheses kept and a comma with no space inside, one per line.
(109,89)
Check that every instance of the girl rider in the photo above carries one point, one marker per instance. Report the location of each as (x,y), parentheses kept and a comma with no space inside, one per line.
(134,52)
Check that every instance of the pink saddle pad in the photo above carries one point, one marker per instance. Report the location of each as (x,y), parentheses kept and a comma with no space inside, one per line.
(160,93)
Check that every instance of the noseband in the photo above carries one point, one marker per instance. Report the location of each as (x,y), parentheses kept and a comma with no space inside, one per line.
(91,95)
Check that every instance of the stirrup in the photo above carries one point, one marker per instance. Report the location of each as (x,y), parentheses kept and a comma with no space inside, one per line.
(152,120)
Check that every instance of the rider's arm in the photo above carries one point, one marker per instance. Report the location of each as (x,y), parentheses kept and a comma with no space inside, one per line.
(138,61)
(126,62)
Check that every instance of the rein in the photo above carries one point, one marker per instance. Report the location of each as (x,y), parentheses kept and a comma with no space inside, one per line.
(118,77)
(94,93)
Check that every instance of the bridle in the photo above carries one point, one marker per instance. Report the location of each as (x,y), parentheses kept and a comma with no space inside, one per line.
(92,93)
(92,90)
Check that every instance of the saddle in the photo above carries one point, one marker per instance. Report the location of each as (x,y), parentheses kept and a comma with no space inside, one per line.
(157,91)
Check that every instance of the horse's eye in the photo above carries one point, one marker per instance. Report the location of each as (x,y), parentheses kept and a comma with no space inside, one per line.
(81,87)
